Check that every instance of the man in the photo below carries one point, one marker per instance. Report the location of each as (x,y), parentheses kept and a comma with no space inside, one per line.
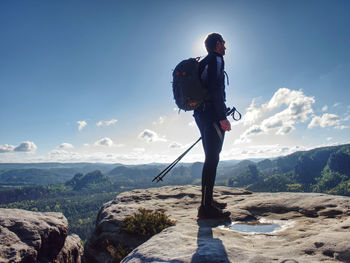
(212,122)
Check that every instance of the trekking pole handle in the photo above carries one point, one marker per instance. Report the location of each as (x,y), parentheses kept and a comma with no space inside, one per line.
(232,112)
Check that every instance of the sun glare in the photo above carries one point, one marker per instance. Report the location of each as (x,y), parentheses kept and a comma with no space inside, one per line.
(199,47)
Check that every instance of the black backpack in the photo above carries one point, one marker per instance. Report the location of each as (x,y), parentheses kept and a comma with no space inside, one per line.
(189,91)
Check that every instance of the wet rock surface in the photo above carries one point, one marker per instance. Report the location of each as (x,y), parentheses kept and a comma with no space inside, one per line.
(318,227)
(37,237)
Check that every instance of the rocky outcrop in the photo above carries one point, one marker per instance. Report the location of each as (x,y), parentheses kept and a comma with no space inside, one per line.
(316,227)
(37,237)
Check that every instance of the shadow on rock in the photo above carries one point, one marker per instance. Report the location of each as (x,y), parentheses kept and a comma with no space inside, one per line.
(145,259)
(209,249)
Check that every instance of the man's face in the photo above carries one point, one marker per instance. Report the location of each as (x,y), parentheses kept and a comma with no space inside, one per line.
(220,47)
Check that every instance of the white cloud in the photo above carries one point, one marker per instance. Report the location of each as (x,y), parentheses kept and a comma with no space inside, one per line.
(137,156)
(283,96)
(324,121)
(107,123)
(104,142)
(150,136)
(298,108)
(324,108)
(139,150)
(6,148)
(329,138)
(59,155)
(175,145)
(23,147)
(113,121)
(285,130)
(278,116)
(253,130)
(341,127)
(82,124)
(273,122)
(160,120)
(261,151)
(66,145)
(253,114)
(26,147)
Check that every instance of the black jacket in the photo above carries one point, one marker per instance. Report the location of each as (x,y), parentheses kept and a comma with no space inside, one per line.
(212,75)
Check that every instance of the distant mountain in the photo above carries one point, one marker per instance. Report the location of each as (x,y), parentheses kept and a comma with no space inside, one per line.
(79,199)
(18,174)
(90,181)
(30,176)
(325,169)
(93,182)
(78,167)
(79,195)
(133,175)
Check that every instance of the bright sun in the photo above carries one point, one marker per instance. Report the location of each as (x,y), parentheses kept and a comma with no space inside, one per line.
(199,47)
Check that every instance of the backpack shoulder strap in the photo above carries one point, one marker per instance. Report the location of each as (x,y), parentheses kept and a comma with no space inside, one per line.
(228,83)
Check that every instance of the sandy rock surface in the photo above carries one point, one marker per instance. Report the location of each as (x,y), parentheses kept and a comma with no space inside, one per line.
(316,227)
(36,237)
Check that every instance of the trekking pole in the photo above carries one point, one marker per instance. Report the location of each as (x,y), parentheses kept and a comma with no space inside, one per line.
(160,176)
(232,113)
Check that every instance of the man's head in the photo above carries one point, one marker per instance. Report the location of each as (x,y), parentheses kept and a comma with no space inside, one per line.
(215,43)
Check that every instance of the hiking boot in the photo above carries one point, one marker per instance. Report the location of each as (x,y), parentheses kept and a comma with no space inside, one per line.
(211,212)
(219,204)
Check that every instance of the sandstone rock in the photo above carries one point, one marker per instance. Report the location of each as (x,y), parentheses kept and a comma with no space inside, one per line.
(72,250)
(316,227)
(36,237)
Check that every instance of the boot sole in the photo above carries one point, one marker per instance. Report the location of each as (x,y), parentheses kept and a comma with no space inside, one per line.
(214,218)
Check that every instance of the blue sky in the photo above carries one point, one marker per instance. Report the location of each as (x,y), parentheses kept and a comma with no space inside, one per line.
(90,80)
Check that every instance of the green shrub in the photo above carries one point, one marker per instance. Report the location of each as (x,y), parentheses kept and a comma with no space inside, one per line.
(294,187)
(114,249)
(146,223)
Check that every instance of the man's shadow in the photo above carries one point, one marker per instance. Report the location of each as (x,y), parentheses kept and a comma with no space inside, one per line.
(209,249)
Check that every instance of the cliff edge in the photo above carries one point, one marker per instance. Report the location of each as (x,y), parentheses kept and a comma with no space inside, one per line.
(37,237)
(311,227)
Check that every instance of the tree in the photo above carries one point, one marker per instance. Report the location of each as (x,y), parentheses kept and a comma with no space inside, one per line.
(305,171)
(340,162)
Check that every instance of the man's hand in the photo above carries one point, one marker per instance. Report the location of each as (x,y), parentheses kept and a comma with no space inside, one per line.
(225,125)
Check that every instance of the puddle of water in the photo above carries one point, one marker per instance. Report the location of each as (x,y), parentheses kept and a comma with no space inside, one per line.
(258,228)
(261,226)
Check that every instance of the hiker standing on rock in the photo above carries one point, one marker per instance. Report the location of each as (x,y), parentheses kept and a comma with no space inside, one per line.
(212,122)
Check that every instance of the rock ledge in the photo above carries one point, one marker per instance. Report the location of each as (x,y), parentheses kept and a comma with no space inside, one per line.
(37,237)
(318,232)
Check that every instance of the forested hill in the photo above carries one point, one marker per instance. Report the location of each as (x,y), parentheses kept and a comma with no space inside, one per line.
(78,199)
(29,174)
(65,188)
(325,169)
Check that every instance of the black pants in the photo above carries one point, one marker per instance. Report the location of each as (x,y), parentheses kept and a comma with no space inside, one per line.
(212,139)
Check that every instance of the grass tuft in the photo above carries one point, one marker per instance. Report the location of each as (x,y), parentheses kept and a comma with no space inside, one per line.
(146,223)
